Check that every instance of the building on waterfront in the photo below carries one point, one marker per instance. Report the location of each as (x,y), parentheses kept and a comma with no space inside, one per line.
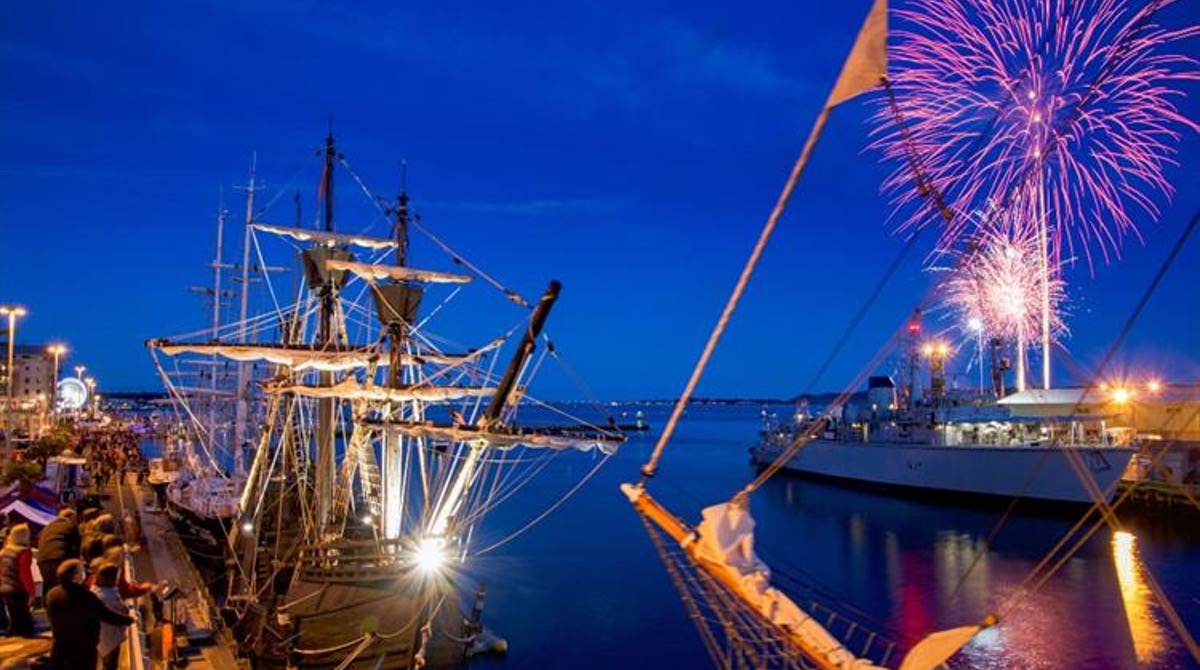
(33,378)
(32,384)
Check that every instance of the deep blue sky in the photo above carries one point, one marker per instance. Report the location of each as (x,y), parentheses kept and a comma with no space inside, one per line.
(631,150)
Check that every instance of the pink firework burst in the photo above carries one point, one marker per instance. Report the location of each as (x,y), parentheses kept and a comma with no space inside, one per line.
(1064,109)
(997,281)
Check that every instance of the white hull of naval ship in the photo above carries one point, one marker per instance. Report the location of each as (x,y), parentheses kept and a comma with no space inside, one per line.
(1028,472)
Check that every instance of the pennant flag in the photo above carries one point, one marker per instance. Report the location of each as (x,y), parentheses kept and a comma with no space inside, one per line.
(866,66)
(323,186)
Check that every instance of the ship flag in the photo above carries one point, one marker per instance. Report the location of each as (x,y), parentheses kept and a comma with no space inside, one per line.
(866,66)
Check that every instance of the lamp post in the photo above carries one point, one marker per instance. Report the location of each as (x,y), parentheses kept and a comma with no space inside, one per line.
(12,313)
(56,350)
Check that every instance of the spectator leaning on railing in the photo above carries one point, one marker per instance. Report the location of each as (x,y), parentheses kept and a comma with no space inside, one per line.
(75,617)
(111,636)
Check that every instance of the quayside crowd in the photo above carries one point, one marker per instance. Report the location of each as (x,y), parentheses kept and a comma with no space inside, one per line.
(64,562)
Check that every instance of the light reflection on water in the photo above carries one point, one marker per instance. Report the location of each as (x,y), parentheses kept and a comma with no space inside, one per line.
(1145,628)
(936,571)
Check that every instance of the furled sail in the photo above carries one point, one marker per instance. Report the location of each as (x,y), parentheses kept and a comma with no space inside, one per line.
(301,359)
(354,390)
(723,545)
(325,238)
(296,358)
(724,542)
(377,272)
(499,439)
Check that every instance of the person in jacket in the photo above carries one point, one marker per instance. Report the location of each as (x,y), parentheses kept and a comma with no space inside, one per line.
(16,580)
(58,541)
(75,617)
(128,589)
(111,636)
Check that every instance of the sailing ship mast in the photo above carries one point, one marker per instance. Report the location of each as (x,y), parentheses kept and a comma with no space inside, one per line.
(397,304)
(309,572)
(242,401)
(217,267)
(325,284)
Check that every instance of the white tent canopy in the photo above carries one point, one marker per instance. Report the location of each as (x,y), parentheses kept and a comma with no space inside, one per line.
(27,512)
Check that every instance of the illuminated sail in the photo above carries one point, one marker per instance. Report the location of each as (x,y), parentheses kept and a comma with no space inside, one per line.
(302,358)
(399,273)
(498,439)
(353,390)
(324,238)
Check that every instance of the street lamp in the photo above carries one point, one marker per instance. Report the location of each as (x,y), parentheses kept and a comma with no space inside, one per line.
(56,350)
(12,313)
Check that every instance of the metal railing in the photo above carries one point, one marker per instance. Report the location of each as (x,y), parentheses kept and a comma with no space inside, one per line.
(137,650)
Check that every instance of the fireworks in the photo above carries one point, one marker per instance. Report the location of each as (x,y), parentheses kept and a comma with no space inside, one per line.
(998,283)
(1062,110)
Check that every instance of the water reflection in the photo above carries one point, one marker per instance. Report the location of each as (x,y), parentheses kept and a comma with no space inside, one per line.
(1145,629)
(923,567)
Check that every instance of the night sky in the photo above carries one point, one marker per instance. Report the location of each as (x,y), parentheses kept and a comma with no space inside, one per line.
(631,150)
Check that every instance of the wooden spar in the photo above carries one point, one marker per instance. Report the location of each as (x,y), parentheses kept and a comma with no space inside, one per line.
(528,344)
(649,508)
(325,473)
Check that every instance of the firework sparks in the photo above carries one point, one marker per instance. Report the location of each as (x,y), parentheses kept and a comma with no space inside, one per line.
(998,283)
(1064,109)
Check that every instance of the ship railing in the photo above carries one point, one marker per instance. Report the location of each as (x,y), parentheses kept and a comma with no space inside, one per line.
(353,561)
(137,650)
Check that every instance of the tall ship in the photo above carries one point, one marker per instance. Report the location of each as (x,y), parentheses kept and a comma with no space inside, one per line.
(216,406)
(384,444)
(1054,446)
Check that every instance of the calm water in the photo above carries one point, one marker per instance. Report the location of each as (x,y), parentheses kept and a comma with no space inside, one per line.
(586,589)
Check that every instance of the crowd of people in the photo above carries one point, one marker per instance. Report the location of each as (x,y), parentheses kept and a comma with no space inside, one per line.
(80,559)
(112,454)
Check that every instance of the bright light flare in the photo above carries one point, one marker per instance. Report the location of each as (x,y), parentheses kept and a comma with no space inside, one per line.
(1121,395)
(430,555)
(1154,386)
